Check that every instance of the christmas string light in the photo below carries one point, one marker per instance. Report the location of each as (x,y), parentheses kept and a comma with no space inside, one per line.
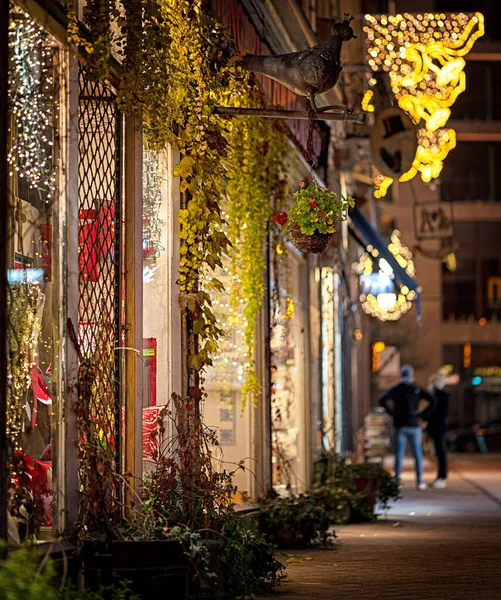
(385,306)
(31,103)
(21,345)
(152,200)
(366,101)
(424,57)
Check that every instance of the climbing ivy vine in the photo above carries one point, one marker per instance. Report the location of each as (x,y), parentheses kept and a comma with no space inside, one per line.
(174,77)
(258,148)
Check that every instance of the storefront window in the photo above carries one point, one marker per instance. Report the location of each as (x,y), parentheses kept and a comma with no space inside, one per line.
(35,299)
(328,387)
(223,409)
(338,365)
(287,398)
(157,301)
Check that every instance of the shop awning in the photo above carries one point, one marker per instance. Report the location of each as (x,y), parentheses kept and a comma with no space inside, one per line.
(371,237)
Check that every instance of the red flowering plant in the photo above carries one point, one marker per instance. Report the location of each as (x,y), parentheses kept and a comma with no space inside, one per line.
(315,209)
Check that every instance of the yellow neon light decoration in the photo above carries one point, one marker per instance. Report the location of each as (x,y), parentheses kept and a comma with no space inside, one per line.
(366,101)
(423,55)
(381,185)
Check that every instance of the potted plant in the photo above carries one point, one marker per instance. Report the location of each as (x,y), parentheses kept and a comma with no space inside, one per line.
(361,487)
(182,534)
(337,501)
(294,521)
(248,560)
(310,221)
(381,485)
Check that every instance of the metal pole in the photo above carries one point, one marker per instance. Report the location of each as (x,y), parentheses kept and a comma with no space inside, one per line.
(322,115)
(4,203)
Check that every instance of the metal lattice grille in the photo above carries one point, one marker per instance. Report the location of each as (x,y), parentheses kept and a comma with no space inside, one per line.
(99,327)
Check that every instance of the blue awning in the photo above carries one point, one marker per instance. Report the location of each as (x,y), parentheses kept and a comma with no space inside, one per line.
(372,237)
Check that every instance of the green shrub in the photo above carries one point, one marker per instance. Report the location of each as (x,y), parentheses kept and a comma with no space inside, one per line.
(27,575)
(335,488)
(248,560)
(302,514)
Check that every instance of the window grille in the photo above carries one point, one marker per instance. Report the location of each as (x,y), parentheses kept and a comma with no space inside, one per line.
(100,293)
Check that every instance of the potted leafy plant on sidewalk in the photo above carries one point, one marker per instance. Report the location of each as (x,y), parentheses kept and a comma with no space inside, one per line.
(294,521)
(353,492)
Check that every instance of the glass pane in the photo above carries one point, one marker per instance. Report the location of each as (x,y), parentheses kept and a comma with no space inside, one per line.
(223,383)
(35,300)
(328,365)
(156,298)
(287,397)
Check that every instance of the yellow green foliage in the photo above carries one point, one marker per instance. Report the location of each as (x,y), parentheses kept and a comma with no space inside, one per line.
(173,81)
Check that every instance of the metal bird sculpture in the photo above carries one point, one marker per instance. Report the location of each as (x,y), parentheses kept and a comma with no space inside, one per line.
(309,72)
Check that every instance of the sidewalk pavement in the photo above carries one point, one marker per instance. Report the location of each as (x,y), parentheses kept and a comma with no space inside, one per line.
(432,545)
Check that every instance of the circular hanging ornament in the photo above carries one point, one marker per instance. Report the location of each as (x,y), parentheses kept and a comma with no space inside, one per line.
(394,142)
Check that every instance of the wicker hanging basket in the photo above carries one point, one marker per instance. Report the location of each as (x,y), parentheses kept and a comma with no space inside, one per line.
(311,244)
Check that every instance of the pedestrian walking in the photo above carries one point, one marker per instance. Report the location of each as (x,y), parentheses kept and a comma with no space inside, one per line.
(437,426)
(402,402)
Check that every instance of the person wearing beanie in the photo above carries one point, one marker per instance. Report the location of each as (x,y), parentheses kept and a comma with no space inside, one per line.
(401,402)
(437,426)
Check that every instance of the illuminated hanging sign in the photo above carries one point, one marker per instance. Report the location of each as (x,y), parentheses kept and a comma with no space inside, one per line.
(381,295)
(424,57)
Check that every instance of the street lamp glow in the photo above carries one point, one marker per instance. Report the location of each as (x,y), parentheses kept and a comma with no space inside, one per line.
(387,301)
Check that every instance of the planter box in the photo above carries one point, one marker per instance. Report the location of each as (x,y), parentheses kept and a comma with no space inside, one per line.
(286,539)
(213,588)
(154,568)
(369,487)
(97,571)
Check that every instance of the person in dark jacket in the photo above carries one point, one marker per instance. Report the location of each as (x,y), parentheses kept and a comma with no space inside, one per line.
(437,426)
(404,399)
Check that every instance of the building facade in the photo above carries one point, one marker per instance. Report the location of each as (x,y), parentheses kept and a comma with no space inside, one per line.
(96,342)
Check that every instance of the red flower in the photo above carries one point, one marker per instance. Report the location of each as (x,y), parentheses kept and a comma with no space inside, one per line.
(313,204)
(302,183)
(281,218)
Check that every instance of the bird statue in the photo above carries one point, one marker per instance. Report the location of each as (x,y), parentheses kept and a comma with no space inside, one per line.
(309,72)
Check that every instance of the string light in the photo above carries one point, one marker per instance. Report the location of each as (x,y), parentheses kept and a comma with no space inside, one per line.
(31,104)
(392,303)
(424,57)
(22,336)
(152,200)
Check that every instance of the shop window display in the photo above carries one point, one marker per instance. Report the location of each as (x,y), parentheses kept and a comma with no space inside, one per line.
(157,274)
(35,302)
(223,410)
(328,360)
(287,380)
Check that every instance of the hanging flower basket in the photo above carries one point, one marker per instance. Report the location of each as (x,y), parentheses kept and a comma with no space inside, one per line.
(310,221)
(311,244)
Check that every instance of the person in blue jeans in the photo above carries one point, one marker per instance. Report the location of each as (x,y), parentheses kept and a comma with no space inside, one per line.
(401,402)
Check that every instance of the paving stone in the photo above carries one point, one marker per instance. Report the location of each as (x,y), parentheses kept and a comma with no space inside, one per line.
(433,545)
